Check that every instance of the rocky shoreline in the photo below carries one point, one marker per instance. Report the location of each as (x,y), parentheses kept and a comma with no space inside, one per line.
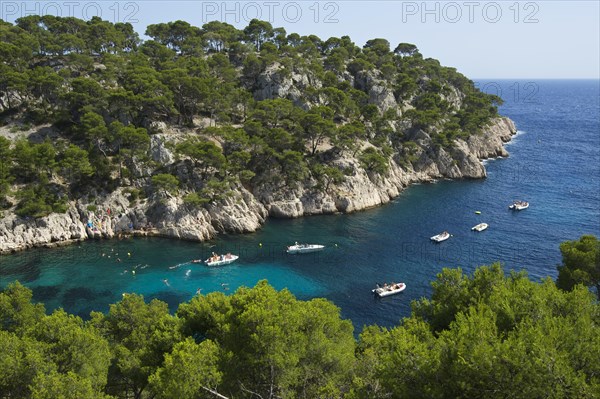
(246,211)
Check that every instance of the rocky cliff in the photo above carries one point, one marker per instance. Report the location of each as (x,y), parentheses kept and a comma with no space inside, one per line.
(362,190)
(244,211)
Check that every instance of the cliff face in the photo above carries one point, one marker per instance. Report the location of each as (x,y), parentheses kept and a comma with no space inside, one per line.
(244,211)
(361,191)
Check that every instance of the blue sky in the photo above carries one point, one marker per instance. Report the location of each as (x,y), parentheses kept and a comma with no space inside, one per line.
(482,39)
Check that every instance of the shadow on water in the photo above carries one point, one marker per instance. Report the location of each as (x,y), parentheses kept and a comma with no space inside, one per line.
(173,299)
(26,271)
(73,295)
(31,274)
(45,293)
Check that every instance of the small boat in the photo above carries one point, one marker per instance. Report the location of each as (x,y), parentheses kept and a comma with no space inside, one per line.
(389,289)
(441,237)
(519,205)
(196,261)
(304,248)
(480,227)
(220,260)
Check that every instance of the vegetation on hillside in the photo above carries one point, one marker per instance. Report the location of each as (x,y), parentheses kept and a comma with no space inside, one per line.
(488,335)
(107,92)
(581,264)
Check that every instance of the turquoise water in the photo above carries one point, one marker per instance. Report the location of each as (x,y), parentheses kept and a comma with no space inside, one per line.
(554,164)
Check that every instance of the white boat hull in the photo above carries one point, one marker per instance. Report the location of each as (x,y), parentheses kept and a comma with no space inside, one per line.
(227,261)
(390,290)
(440,237)
(480,227)
(303,249)
(519,207)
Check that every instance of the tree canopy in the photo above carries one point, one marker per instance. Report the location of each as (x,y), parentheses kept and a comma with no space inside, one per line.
(580,264)
(106,93)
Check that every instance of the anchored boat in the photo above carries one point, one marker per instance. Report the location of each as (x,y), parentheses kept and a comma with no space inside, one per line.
(480,227)
(441,237)
(220,260)
(304,248)
(389,289)
(519,205)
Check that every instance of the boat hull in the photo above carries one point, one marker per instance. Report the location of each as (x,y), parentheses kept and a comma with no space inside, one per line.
(383,292)
(517,207)
(439,238)
(304,250)
(222,262)
(480,227)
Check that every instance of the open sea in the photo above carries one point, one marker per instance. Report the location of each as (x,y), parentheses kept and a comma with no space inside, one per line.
(554,164)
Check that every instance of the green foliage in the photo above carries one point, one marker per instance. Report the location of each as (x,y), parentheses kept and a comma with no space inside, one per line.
(257,32)
(214,190)
(327,175)
(380,47)
(188,371)
(205,154)
(64,386)
(372,160)
(22,359)
(75,163)
(38,201)
(195,200)
(6,177)
(140,334)
(580,264)
(271,342)
(73,347)
(406,49)
(165,183)
(17,313)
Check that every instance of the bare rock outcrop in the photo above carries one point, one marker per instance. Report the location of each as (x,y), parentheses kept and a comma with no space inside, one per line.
(18,233)
(279,82)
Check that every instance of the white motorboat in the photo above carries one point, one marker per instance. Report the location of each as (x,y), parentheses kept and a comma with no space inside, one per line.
(519,205)
(304,248)
(220,260)
(389,289)
(441,237)
(480,227)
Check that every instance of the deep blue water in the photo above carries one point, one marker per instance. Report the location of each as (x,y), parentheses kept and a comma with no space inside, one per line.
(554,164)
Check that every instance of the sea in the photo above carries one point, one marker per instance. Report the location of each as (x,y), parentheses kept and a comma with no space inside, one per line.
(554,164)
